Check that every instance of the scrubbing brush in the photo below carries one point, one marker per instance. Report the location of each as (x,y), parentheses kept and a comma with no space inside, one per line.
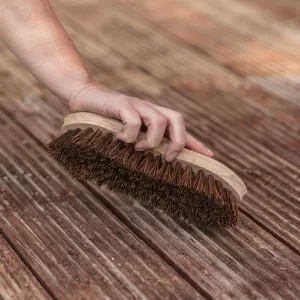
(194,188)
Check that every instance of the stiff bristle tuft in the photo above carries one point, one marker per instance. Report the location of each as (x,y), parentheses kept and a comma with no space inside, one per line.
(187,197)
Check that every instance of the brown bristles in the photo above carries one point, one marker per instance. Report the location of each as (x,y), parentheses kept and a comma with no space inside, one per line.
(187,197)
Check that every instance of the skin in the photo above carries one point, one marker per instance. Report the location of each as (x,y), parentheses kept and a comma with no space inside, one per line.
(32,31)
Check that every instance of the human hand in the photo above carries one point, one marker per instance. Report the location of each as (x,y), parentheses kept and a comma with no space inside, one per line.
(50,54)
(133,112)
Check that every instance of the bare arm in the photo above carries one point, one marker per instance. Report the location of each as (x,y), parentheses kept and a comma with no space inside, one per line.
(33,32)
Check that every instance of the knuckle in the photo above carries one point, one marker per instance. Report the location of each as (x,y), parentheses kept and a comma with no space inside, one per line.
(123,102)
(127,137)
(178,117)
(161,121)
(136,123)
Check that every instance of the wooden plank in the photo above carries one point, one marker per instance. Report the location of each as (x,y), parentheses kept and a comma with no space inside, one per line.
(262,47)
(245,263)
(16,280)
(211,24)
(178,67)
(77,254)
(272,208)
(238,256)
(275,204)
(266,55)
(234,260)
(186,248)
(284,10)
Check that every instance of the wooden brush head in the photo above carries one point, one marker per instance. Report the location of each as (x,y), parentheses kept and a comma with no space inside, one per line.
(83,120)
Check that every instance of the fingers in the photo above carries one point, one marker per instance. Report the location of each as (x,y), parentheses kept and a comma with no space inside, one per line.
(176,130)
(177,135)
(195,145)
(156,124)
(132,124)
(133,113)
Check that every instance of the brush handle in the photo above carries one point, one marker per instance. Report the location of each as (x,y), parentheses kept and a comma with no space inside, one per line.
(197,161)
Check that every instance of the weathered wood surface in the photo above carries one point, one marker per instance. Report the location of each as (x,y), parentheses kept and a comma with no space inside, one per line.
(72,242)
(214,101)
(16,281)
(181,54)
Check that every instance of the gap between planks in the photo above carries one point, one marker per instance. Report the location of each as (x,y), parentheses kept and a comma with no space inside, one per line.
(259,222)
(40,291)
(278,90)
(22,125)
(122,218)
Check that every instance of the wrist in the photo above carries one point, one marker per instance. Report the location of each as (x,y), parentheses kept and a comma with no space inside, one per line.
(71,85)
(77,98)
(92,97)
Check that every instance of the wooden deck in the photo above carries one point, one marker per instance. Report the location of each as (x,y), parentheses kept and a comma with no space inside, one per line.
(232,67)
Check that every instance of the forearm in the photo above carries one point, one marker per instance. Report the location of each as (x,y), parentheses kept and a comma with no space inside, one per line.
(32,31)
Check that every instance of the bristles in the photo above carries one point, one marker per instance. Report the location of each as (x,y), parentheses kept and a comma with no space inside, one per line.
(185,196)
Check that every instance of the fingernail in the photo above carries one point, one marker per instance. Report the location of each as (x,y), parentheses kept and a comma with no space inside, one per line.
(172,156)
(139,148)
(120,135)
(209,152)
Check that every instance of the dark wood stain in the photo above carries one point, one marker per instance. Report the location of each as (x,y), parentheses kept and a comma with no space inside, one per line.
(16,281)
(79,242)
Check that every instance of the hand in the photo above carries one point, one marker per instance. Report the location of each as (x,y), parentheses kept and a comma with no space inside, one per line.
(133,113)
(50,54)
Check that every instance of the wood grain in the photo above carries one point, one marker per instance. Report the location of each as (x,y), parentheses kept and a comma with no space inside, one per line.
(244,263)
(16,280)
(237,127)
(236,86)
(78,254)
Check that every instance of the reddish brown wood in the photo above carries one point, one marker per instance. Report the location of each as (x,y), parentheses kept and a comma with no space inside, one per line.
(229,107)
(16,280)
(223,256)
(189,55)
(76,253)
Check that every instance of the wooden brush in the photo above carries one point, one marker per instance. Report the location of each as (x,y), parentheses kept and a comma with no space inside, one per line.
(193,189)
